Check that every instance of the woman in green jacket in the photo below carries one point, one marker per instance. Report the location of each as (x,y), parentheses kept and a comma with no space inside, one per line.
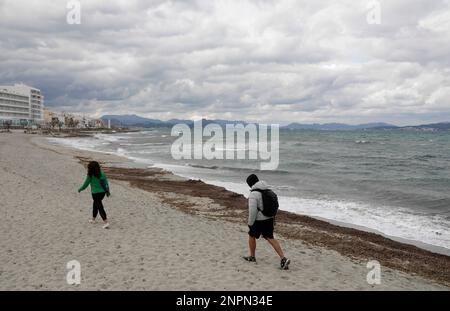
(99,188)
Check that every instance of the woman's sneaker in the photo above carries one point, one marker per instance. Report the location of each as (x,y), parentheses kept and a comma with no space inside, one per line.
(285,263)
(106,226)
(92,221)
(250,258)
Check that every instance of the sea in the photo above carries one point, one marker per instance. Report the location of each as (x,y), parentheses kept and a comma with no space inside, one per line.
(393,182)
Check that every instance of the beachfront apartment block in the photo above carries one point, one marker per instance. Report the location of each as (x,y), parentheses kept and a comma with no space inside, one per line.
(21,105)
(66,120)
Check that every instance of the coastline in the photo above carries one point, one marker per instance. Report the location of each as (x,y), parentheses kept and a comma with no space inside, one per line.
(349,241)
(325,255)
(319,232)
(412,221)
(423,245)
(292,225)
(427,247)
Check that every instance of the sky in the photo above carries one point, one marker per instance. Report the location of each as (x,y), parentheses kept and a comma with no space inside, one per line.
(263,61)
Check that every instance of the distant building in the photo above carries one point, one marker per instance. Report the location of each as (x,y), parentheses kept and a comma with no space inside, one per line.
(21,105)
(48,116)
(67,120)
(54,119)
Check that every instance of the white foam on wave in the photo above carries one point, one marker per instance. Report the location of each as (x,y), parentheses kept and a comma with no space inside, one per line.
(391,221)
(110,138)
(77,143)
(142,144)
(145,152)
(121,152)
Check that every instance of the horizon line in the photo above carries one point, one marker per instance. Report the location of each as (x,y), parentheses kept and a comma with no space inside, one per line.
(281,124)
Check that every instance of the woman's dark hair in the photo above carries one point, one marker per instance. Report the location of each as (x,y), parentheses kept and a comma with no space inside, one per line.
(94,169)
(252,179)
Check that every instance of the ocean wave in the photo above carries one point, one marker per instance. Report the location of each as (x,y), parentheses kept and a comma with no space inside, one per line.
(144,152)
(232,168)
(142,144)
(236,149)
(109,138)
(77,143)
(424,157)
(121,151)
(392,221)
(284,187)
(213,167)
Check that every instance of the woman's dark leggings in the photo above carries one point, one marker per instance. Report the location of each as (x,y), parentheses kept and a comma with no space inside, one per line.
(98,205)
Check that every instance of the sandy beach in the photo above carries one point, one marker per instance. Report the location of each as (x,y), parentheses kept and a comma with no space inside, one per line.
(171,234)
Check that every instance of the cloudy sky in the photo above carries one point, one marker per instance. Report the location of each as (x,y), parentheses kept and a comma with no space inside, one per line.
(260,60)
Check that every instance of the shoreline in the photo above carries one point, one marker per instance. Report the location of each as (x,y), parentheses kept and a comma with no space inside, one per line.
(422,245)
(170,234)
(355,242)
(130,163)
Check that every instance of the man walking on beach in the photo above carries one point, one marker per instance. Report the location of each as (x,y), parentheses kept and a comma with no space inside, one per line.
(259,223)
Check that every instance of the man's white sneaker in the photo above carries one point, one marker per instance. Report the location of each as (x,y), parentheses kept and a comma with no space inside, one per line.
(106,226)
(92,221)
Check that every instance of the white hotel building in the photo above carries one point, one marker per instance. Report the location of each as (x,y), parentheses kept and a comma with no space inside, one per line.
(21,104)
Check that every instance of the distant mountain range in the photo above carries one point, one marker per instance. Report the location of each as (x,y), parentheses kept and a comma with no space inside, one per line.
(137,121)
(337,126)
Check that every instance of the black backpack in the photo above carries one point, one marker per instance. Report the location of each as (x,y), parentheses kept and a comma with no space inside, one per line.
(270,202)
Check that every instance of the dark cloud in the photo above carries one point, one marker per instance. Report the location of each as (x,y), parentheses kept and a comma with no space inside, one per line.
(281,61)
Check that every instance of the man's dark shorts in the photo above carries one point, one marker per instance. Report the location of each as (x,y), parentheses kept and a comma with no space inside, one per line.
(264,227)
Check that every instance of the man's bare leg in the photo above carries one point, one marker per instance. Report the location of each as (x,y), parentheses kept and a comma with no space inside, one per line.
(276,246)
(252,245)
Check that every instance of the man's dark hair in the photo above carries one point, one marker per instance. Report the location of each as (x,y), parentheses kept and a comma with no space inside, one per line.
(252,179)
